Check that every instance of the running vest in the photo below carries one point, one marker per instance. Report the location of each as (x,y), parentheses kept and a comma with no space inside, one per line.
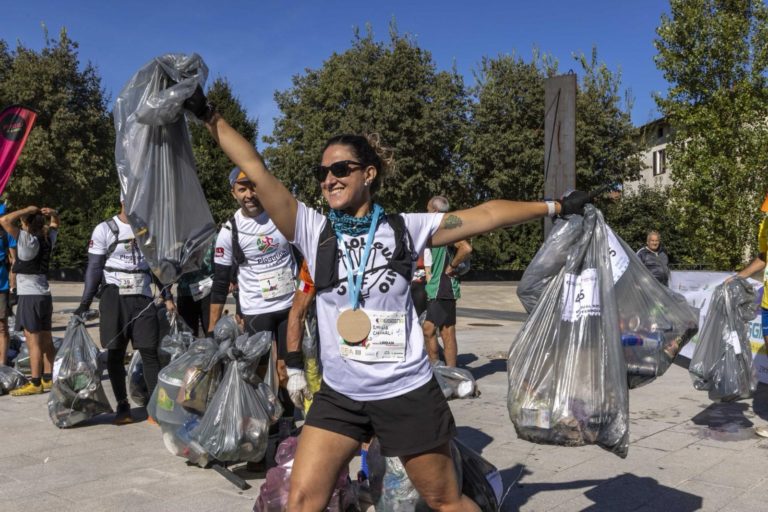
(41,262)
(327,258)
(111,249)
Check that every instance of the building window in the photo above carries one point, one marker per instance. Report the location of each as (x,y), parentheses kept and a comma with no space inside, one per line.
(659,162)
(660,132)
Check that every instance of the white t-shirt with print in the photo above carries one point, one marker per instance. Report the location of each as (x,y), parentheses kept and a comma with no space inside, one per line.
(266,281)
(126,256)
(28,247)
(383,290)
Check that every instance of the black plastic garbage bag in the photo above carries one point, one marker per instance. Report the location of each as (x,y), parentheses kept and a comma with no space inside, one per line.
(566,369)
(10,379)
(165,204)
(77,394)
(722,360)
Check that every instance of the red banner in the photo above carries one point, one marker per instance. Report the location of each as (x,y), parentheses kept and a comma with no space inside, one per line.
(15,124)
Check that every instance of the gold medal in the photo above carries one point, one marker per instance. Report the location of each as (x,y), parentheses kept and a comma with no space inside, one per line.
(353,325)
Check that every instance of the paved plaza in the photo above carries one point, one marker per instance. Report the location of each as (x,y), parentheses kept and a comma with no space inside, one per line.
(686,452)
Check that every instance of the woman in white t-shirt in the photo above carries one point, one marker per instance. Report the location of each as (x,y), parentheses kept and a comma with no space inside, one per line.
(35,241)
(376,375)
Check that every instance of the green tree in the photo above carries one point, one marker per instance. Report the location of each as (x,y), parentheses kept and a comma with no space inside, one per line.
(213,166)
(714,54)
(391,89)
(68,161)
(505,143)
(649,208)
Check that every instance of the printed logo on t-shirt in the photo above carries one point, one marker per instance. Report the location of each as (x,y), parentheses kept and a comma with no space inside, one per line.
(90,244)
(267,244)
(381,279)
(219,252)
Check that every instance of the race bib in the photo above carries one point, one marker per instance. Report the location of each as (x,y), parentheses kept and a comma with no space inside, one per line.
(581,296)
(130,284)
(385,343)
(619,258)
(201,289)
(276,283)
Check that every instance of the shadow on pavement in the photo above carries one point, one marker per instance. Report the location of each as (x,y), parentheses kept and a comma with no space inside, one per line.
(474,438)
(623,492)
(491,367)
(492,314)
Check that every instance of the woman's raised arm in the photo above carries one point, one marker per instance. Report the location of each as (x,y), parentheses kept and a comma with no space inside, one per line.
(274,197)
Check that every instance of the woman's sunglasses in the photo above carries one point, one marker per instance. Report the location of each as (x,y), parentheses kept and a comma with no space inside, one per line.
(340,169)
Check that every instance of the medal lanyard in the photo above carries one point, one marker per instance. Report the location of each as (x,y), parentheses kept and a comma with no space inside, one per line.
(355,276)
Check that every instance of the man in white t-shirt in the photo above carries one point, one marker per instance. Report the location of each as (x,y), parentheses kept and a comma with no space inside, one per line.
(250,246)
(119,275)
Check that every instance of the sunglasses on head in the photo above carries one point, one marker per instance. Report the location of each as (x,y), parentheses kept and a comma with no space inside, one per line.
(340,169)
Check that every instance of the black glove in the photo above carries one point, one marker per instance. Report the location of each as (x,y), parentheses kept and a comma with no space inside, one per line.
(198,104)
(81,310)
(574,203)
(13,297)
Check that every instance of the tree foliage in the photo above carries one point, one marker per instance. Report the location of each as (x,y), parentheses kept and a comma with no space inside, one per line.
(505,143)
(714,54)
(391,89)
(213,166)
(68,161)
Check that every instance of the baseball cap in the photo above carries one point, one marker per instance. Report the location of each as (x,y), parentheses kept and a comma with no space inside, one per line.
(237,176)
(764,207)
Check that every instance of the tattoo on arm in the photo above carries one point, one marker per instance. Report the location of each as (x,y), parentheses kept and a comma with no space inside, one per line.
(451,222)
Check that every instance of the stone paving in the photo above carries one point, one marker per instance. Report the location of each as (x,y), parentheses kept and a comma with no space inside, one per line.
(686,453)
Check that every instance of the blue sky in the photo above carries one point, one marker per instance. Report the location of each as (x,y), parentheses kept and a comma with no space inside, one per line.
(260,45)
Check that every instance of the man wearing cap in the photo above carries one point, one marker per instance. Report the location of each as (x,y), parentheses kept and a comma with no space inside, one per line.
(250,247)
(118,273)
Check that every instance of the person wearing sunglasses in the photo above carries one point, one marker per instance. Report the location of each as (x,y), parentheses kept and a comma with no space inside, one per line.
(377,379)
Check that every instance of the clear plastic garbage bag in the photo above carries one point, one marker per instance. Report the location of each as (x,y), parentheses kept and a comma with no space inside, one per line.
(655,322)
(21,363)
(165,204)
(177,341)
(549,260)
(77,394)
(137,386)
(455,382)
(10,379)
(722,360)
(187,382)
(566,369)
(235,426)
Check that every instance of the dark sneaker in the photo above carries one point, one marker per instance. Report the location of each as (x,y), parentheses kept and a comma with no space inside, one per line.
(123,414)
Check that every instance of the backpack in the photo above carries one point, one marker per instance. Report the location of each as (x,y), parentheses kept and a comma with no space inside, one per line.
(327,255)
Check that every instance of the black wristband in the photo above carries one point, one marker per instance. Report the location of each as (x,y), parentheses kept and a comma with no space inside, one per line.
(294,360)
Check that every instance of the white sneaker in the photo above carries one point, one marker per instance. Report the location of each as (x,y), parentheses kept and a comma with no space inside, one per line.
(762,431)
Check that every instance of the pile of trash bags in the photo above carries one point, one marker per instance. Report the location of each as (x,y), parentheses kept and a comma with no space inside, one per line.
(388,486)
(599,324)
(77,394)
(211,403)
(163,199)
(722,360)
(173,345)
(10,379)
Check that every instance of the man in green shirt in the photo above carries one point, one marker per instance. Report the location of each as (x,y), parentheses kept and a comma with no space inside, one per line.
(443,289)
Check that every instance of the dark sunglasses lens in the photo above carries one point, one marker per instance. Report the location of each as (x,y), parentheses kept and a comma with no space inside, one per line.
(338,169)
